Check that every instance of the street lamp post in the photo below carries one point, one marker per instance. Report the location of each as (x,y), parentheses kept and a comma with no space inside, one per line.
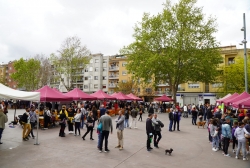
(245,51)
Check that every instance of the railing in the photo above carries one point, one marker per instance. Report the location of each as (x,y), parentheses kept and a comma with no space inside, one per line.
(112,85)
(162,92)
(113,77)
(113,68)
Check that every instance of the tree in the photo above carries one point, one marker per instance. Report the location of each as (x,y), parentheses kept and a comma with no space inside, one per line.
(126,87)
(233,78)
(44,71)
(27,73)
(72,58)
(175,46)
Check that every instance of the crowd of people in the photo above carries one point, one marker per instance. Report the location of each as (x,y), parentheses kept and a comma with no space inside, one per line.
(223,128)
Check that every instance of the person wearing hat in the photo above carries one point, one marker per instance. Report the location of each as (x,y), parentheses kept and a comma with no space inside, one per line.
(227,135)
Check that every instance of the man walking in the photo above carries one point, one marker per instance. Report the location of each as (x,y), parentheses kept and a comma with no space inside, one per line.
(171,119)
(26,124)
(134,113)
(185,109)
(106,127)
(120,128)
(157,130)
(149,130)
(3,120)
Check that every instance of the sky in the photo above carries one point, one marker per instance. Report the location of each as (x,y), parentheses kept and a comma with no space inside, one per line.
(31,27)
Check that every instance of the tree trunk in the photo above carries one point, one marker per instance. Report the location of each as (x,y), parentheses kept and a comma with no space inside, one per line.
(173,91)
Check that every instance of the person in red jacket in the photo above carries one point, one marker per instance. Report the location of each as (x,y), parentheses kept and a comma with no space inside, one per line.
(241,115)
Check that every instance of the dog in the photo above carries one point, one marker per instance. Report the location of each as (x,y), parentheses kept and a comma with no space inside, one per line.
(169,151)
(201,123)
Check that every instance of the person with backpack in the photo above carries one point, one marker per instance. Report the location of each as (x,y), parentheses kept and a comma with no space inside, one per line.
(157,130)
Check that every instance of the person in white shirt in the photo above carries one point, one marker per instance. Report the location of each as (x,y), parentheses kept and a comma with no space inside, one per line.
(77,118)
(185,109)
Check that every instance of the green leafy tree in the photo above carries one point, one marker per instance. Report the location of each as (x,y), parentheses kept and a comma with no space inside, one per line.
(70,61)
(233,77)
(27,73)
(174,46)
(126,87)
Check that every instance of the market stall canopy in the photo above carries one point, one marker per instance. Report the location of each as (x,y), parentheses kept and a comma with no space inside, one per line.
(245,104)
(221,99)
(77,94)
(9,93)
(113,94)
(164,98)
(243,95)
(237,103)
(228,98)
(100,95)
(134,97)
(121,96)
(48,94)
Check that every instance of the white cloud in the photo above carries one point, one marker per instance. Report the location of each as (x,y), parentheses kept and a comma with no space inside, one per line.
(29,27)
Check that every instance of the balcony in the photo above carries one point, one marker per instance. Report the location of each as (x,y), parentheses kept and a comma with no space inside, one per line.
(113,77)
(112,85)
(162,93)
(162,84)
(114,68)
(181,89)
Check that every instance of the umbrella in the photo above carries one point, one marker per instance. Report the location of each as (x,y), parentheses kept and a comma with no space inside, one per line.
(134,97)
(164,98)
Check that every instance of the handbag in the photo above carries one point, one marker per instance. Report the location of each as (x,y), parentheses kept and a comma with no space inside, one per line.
(247,136)
(90,124)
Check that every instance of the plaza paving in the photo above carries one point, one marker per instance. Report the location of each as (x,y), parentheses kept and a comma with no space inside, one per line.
(191,149)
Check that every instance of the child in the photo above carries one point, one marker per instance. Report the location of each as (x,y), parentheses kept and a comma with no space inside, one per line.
(235,125)
(209,135)
(240,135)
(214,134)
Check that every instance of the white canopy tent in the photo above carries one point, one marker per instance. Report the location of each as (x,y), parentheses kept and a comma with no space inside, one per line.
(9,93)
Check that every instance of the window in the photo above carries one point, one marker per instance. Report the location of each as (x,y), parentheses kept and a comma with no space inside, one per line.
(95,86)
(96,69)
(217,85)
(95,77)
(124,64)
(86,70)
(104,60)
(90,77)
(138,90)
(9,80)
(148,90)
(124,81)
(10,68)
(193,85)
(231,61)
(104,69)
(86,78)
(86,87)
(90,69)
(14,86)
(96,60)
(124,72)
(104,86)
(91,61)
(104,78)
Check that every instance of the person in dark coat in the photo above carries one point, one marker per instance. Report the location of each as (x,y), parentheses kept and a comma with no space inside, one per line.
(171,119)
(149,130)
(151,109)
(194,115)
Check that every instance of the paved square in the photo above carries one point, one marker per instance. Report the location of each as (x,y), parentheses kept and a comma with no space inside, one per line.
(191,149)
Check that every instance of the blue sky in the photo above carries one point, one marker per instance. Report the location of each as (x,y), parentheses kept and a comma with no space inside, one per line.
(29,27)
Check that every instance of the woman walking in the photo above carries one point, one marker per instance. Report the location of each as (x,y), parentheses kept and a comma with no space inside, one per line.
(77,118)
(63,119)
(94,111)
(90,122)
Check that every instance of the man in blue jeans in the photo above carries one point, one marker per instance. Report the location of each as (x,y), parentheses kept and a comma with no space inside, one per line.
(107,126)
(171,119)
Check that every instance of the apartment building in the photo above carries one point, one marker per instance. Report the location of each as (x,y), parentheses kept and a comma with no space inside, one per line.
(5,72)
(198,92)
(2,73)
(89,79)
(96,74)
